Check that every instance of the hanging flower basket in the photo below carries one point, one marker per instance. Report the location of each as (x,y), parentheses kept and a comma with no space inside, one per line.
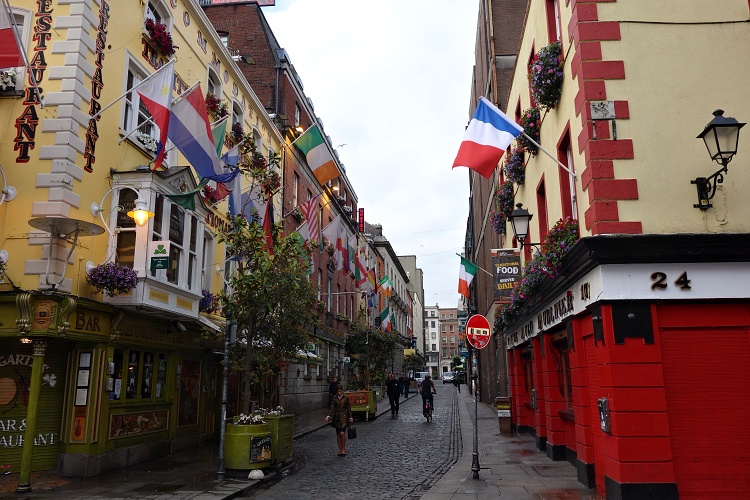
(112,278)
(504,200)
(546,76)
(208,303)
(531,122)
(515,169)
(543,266)
(160,37)
(498,222)
(215,106)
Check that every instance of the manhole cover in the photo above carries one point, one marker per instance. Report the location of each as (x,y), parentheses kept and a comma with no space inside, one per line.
(159,488)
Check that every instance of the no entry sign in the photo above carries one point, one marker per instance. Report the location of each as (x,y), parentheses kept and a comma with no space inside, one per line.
(478,331)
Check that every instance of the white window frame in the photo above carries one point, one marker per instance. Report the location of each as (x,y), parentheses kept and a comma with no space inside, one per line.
(161,10)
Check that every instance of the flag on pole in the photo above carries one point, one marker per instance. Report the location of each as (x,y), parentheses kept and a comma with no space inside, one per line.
(10,52)
(319,158)
(218,131)
(385,319)
(190,131)
(465,275)
(387,285)
(488,135)
(309,210)
(156,95)
(332,232)
(235,196)
(229,162)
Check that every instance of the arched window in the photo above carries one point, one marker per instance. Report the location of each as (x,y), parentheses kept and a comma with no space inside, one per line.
(213,83)
(158,12)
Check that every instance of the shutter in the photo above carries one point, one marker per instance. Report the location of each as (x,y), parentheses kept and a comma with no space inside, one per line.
(707,383)
(15,375)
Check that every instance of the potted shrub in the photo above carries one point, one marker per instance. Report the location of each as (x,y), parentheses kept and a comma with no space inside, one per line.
(160,37)
(546,75)
(112,278)
(247,443)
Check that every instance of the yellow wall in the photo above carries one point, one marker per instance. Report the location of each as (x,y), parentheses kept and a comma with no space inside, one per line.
(682,60)
(54,181)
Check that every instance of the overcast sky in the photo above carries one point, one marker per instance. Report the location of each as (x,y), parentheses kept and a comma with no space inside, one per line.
(391,82)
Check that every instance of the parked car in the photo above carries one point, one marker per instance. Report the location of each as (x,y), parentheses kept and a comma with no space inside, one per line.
(448,377)
(419,377)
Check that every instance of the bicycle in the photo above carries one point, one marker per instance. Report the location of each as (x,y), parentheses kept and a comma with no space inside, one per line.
(427,409)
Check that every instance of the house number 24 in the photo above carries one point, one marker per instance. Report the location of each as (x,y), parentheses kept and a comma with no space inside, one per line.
(660,281)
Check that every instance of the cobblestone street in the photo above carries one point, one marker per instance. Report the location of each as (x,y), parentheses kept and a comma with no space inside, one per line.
(404,454)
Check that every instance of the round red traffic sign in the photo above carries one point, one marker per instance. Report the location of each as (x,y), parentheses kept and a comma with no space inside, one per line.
(478,331)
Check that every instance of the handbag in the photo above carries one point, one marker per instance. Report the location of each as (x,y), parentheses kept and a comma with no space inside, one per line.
(351,432)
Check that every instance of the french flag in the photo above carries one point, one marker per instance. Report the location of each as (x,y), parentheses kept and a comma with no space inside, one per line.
(190,131)
(488,135)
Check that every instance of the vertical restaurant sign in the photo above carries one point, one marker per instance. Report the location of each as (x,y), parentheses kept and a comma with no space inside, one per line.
(507,272)
(27,123)
(97,84)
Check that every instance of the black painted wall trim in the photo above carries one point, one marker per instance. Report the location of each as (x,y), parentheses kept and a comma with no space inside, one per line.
(640,491)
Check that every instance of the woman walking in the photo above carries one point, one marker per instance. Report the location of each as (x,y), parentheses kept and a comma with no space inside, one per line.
(340,416)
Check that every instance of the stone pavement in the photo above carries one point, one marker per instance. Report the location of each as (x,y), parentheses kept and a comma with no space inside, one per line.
(510,467)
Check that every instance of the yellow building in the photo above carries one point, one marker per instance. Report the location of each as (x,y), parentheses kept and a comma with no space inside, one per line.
(91,382)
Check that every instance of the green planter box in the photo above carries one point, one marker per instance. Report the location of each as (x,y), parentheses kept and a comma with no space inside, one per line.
(247,446)
(282,437)
(362,402)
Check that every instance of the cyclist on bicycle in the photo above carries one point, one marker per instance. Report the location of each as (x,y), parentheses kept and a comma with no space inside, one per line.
(427,389)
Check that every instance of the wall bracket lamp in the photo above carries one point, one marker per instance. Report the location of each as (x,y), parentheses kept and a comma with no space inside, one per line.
(519,220)
(721,137)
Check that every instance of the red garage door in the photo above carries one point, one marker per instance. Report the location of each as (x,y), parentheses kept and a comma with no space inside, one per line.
(707,381)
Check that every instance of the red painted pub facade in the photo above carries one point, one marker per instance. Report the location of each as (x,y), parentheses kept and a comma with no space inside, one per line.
(634,365)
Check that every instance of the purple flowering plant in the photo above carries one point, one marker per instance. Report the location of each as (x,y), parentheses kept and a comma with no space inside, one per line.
(546,75)
(531,121)
(515,168)
(208,303)
(498,222)
(545,265)
(504,200)
(112,278)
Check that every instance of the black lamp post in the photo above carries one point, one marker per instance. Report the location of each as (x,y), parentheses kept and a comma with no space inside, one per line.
(519,220)
(721,136)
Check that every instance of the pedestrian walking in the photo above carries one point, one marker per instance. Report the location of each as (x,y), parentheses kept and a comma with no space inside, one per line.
(392,389)
(332,389)
(457,383)
(407,384)
(340,416)
(401,384)
(357,383)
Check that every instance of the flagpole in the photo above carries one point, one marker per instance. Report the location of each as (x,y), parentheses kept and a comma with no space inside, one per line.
(151,118)
(149,77)
(480,268)
(22,51)
(545,152)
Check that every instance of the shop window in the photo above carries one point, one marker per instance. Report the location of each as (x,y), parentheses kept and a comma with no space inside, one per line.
(139,375)
(528,369)
(176,235)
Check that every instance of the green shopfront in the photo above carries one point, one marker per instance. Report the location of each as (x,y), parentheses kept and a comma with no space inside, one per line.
(97,388)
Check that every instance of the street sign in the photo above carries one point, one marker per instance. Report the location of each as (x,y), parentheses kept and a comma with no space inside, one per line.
(478,331)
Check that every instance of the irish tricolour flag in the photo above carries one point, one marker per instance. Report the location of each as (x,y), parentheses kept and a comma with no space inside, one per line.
(319,158)
(465,275)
